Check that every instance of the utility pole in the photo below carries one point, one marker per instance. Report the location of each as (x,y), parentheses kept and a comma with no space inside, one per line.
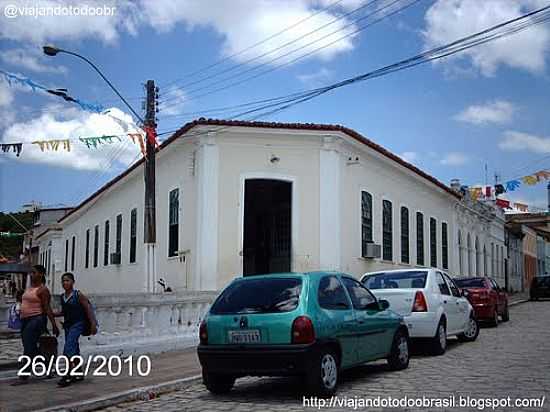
(149,213)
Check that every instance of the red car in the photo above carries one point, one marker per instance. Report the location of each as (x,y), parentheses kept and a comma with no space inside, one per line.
(488,299)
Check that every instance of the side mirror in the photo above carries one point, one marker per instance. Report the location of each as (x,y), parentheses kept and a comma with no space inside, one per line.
(384,304)
(464,293)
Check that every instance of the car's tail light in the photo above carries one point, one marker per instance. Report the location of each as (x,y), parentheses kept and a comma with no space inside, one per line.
(419,304)
(203,333)
(302,330)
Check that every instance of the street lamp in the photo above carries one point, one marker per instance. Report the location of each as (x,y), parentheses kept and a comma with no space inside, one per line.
(53,51)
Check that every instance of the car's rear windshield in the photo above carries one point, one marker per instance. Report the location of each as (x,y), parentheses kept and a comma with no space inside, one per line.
(396,280)
(470,283)
(259,296)
(542,281)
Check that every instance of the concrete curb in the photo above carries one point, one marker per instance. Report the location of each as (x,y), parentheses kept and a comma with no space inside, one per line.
(517,302)
(141,393)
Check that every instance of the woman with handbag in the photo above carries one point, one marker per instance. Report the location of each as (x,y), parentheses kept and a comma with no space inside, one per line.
(35,310)
(78,316)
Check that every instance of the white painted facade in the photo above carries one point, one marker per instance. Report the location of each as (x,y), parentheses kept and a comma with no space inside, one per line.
(209,166)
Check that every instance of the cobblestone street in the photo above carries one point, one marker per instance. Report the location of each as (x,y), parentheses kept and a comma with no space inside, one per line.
(511,360)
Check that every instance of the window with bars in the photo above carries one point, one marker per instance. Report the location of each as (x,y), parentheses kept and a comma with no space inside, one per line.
(405,258)
(173,223)
(366,221)
(118,240)
(419,238)
(66,255)
(73,247)
(106,245)
(133,235)
(96,245)
(444,246)
(433,242)
(387,230)
(87,257)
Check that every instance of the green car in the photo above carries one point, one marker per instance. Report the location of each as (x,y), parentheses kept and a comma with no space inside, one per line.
(307,324)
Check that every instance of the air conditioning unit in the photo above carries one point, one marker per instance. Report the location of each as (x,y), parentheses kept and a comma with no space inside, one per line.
(373,251)
(115,258)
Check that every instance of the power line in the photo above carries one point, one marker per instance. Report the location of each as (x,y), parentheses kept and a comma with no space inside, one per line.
(259,43)
(269,52)
(288,63)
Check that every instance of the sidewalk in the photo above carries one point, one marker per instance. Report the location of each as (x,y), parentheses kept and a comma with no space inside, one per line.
(169,368)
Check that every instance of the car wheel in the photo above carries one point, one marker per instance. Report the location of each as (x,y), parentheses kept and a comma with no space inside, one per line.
(439,341)
(494,320)
(217,383)
(471,332)
(506,314)
(399,356)
(322,377)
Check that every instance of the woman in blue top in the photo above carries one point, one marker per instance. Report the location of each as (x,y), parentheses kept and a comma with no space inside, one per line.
(76,312)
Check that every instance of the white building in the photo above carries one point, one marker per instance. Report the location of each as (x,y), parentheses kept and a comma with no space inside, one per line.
(237,198)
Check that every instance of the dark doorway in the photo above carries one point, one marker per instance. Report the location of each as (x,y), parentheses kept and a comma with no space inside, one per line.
(267,226)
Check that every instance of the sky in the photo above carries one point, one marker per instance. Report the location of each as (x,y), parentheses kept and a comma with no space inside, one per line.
(470,116)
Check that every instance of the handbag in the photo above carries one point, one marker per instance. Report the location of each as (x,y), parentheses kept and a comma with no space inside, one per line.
(47,345)
(14,318)
(87,323)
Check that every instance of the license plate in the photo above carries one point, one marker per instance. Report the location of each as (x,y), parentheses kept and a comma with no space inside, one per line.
(244,336)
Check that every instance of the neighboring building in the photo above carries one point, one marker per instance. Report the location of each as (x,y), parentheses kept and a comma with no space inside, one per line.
(535,229)
(237,198)
(515,282)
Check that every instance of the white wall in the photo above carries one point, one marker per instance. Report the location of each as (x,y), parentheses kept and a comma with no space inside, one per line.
(386,180)
(173,170)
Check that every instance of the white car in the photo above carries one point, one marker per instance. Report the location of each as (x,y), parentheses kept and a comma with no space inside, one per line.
(429,301)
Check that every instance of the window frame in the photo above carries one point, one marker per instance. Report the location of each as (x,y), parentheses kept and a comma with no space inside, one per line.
(106,241)
(73,252)
(387,234)
(133,235)
(405,238)
(66,254)
(439,275)
(420,255)
(433,241)
(96,246)
(173,228)
(367,223)
(87,252)
(444,245)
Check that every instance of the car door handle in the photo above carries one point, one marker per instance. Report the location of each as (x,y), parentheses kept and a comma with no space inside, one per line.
(360,322)
(444,301)
(458,303)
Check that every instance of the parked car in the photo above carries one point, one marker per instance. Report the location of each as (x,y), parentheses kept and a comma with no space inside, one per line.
(540,287)
(488,299)
(312,325)
(430,302)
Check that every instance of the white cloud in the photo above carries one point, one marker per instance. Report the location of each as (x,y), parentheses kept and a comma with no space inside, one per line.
(7,114)
(454,159)
(449,20)
(175,104)
(239,24)
(515,141)
(31,59)
(497,111)
(410,157)
(317,78)
(71,125)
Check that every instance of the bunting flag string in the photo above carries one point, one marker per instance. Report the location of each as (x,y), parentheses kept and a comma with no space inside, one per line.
(5,147)
(139,137)
(94,141)
(13,79)
(151,135)
(53,144)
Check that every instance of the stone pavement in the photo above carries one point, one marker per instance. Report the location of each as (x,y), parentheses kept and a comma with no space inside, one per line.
(510,360)
(173,366)
(10,349)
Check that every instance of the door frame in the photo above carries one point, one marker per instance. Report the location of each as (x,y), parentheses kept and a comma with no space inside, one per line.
(294,217)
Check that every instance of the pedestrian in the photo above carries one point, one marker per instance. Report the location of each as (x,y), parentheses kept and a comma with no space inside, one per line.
(77,314)
(14,321)
(35,312)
